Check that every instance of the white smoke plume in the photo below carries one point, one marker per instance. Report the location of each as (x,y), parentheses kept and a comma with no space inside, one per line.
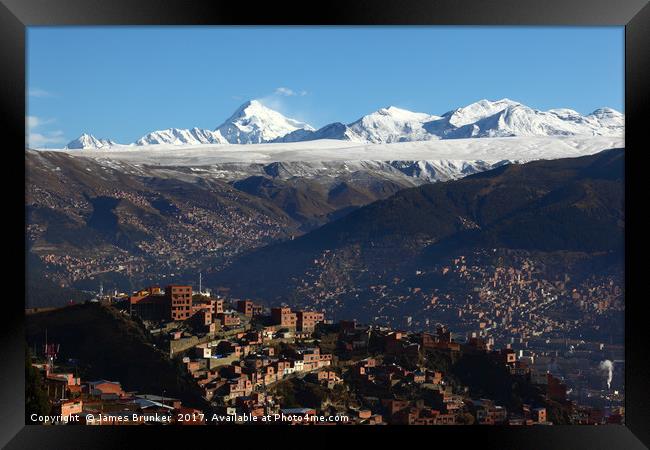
(608,366)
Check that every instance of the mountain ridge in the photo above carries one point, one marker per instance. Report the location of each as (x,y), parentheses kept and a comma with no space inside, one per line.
(565,205)
(254,123)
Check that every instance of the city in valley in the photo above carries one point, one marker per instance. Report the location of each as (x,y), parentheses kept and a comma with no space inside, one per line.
(408,258)
(241,362)
(161,297)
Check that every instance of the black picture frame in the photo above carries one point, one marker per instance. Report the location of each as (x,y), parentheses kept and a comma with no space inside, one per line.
(16,15)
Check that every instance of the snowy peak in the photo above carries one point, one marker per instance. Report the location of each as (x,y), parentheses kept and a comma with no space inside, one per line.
(254,123)
(391,124)
(252,108)
(477,111)
(608,117)
(386,125)
(402,114)
(88,141)
(606,112)
(507,118)
(178,136)
(607,122)
(335,130)
(520,120)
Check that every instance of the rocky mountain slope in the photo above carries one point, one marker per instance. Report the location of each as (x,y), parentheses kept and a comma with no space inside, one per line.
(563,206)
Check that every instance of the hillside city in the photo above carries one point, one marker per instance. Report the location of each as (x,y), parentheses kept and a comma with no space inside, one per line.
(255,365)
(195,234)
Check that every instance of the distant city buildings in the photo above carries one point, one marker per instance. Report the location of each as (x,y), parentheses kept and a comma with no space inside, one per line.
(250,361)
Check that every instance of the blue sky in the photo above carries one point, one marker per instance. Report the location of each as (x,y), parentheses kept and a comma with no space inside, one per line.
(122,82)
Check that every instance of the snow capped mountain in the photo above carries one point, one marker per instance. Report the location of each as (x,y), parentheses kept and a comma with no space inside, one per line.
(254,123)
(177,136)
(516,119)
(485,118)
(609,119)
(392,125)
(385,125)
(336,130)
(477,111)
(88,141)
(443,170)
(507,118)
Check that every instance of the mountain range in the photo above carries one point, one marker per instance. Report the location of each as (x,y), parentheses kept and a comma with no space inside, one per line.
(127,224)
(557,209)
(264,229)
(254,123)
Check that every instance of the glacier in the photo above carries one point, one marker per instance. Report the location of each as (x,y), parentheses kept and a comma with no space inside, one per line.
(427,161)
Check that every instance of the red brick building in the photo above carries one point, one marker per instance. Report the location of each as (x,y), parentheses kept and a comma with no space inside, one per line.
(248,308)
(307,320)
(150,304)
(181,301)
(284,317)
(228,320)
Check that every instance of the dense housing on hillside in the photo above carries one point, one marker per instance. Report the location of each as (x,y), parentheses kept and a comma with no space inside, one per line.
(250,363)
